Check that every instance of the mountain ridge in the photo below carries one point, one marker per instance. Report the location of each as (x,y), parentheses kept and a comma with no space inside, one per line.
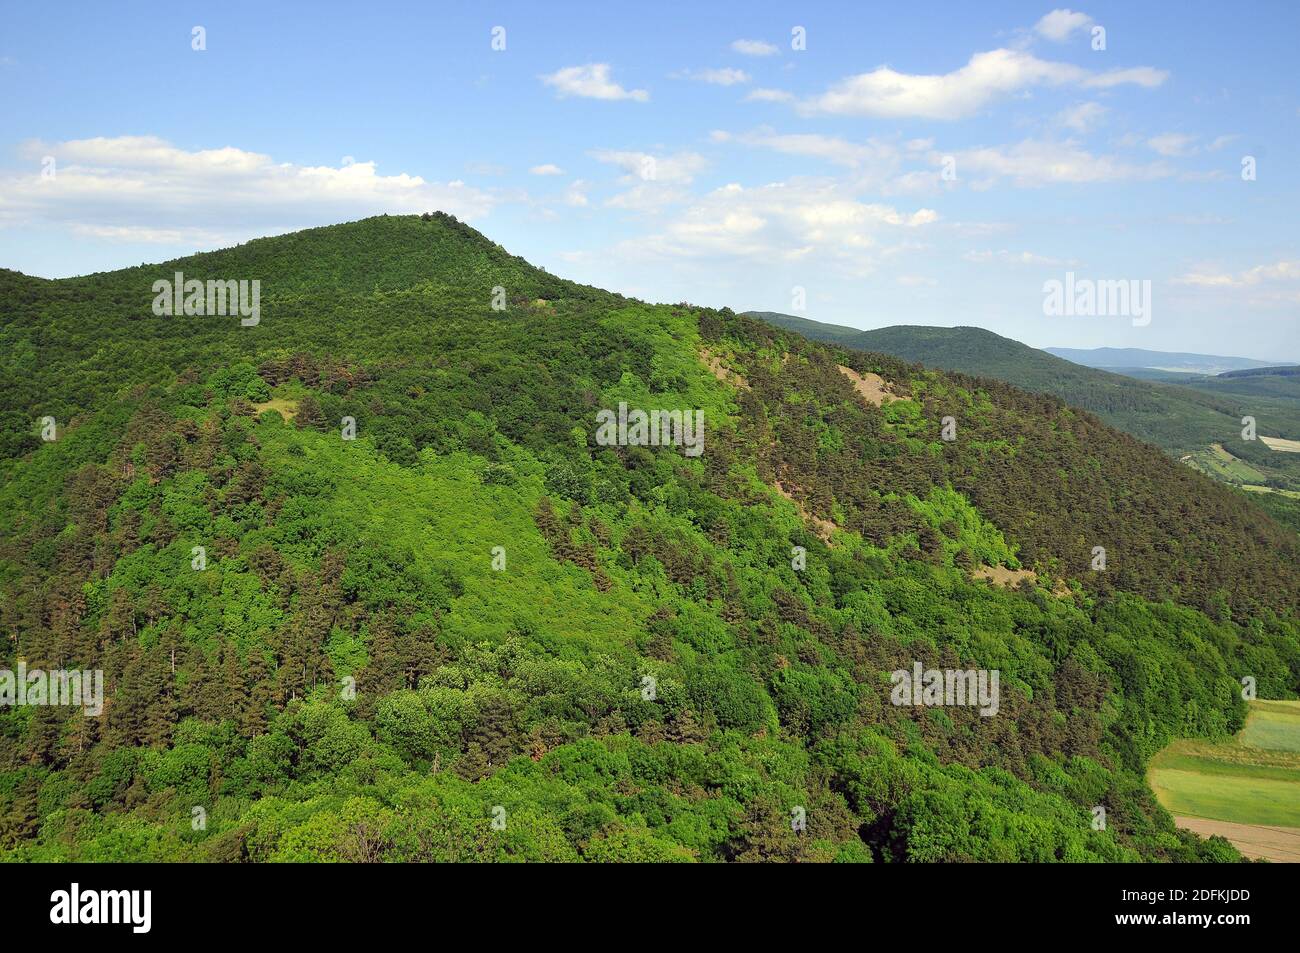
(632,653)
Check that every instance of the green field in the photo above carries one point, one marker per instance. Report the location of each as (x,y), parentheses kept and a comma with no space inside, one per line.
(1253,778)
(1222,465)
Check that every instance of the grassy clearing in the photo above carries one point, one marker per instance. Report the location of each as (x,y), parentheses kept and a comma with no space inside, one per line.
(1219,463)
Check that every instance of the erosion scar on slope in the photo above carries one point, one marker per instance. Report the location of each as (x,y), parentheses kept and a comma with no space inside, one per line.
(872,388)
(822,527)
(720,370)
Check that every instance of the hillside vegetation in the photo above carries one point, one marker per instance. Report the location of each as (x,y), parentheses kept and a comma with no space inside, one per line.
(476,633)
(1185,414)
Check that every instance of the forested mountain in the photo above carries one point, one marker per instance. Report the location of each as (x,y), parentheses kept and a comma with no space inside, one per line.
(477,631)
(1194,417)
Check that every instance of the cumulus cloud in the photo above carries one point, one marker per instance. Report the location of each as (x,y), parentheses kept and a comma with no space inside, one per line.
(1036,162)
(1059,25)
(782,221)
(680,167)
(887,93)
(546,169)
(718,77)
(1082,117)
(591,81)
(1147,76)
(814,145)
(143,188)
(769,96)
(1277,271)
(754,47)
(576,194)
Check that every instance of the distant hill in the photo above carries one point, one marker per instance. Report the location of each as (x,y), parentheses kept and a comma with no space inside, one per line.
(1276,370)
(1115,358)
(1186,414)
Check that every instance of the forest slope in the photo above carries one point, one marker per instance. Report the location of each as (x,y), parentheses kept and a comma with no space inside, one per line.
(475,632)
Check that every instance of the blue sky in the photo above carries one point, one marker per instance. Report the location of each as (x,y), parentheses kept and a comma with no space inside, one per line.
(688,152)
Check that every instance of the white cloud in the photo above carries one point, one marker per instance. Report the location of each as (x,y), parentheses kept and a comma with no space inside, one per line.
(818,221)
(769,96)
(1039,162)
(1278,271)
(590,82)
(1006,257)
(754,47)
(1058,25)
(681,167)
(648,197)
(576,194)
(1172,144)
(1146,76)
(143,188)
(1082,117)
(815,145)
(546,169)
(886,93)
(718,77)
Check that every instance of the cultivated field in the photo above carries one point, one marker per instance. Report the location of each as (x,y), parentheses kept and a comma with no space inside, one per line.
(1246,788)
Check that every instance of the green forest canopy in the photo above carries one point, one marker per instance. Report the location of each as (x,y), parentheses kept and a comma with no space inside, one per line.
(503,713)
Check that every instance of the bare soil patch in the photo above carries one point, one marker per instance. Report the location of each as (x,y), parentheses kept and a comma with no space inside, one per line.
(720,370)
(1278,844)
(822,527)
(872,388)
(1002,576)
